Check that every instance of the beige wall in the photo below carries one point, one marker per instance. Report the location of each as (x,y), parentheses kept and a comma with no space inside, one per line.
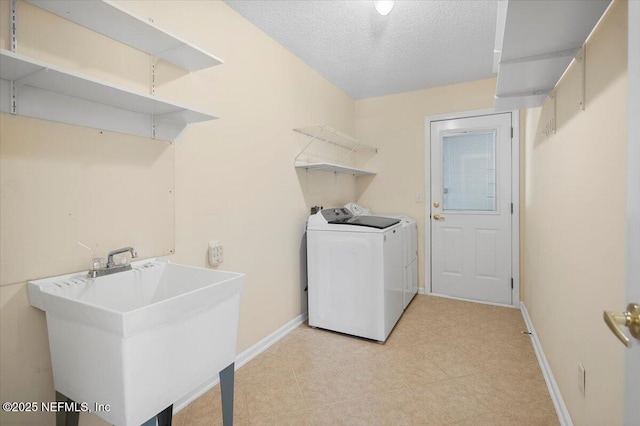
(233,180)
(395,124)
(65,187)
(574,226)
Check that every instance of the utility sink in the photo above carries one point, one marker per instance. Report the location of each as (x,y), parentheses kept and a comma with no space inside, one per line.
(139,340)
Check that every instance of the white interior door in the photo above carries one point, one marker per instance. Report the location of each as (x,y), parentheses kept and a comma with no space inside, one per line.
(471,208)
(632,355)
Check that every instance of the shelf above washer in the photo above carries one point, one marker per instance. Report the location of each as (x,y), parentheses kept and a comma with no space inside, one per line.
(333,136)
(341,148)
(36,89)
(109,19)
(335,168)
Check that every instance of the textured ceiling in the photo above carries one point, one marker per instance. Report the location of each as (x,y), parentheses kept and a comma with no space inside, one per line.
(419,44)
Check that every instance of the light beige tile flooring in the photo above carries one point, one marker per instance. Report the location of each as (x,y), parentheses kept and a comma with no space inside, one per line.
(446,362)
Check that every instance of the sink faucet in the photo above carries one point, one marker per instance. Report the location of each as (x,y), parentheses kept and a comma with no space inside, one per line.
(111,268)
(111,264)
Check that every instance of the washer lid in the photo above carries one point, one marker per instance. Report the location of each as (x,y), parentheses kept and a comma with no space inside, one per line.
(378,222)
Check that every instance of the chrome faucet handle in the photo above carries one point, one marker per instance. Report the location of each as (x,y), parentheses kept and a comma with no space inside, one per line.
(99,269)
(112,253)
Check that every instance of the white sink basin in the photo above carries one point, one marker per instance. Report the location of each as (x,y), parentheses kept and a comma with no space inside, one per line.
(139,340)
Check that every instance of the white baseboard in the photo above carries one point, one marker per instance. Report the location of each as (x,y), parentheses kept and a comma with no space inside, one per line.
(243,358)
(554,390)
(421,290)
(255,350)
(446,296)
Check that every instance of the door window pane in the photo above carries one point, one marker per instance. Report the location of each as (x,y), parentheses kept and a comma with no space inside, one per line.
(469,171)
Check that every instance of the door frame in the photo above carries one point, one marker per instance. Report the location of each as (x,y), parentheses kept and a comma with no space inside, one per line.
(515,198)
(632,368)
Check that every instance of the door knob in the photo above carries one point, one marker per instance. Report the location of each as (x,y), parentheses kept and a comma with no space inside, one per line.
(438,217)
(436,204)
(630,318)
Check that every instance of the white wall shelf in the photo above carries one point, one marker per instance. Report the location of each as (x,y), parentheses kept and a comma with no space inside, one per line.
(109,19)
(342,153)
(36,89)
(538,42)
(335,168)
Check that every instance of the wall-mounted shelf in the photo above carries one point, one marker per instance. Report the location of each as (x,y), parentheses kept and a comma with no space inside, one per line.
(109,19)
(535,43)
(35,89)
(335,168)
(342,153)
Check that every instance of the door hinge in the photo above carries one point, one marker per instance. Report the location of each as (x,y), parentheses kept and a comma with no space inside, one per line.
(511,208)
(511,283)
(512,133)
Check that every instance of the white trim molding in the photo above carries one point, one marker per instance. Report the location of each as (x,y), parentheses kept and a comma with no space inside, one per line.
(243,358)
(264,344)
(561,409)
(515,215)
(482,302)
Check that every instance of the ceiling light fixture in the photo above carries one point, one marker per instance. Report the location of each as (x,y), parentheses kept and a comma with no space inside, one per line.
(384,7)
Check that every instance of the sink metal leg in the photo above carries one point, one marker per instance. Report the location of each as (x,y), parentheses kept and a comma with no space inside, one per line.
(66,418)
(164,417)
(150,422)
(226,393)
(71,418)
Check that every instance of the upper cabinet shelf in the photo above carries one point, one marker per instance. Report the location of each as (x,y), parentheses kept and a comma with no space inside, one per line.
(35,89)
(535,43)
(109,19)
(335,147)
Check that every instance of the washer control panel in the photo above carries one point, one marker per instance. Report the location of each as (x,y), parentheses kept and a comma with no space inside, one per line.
(338,213)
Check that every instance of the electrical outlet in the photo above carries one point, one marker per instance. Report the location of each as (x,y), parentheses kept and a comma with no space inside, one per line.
(582,376)
(216,253)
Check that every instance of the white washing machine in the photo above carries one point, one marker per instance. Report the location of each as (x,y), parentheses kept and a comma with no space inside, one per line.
(409,250)
(355,271)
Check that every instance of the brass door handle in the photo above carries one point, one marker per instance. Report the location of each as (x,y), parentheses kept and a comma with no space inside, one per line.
(438,217)
(630,318)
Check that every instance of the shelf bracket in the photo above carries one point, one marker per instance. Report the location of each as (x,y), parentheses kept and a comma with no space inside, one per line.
(550,126)
(154,63)
(536,92)
(22,81)
(541,57)
(14,99)
(555,109)
(14,23)
(582,60)
(17,84)
(348,154)
(313,139)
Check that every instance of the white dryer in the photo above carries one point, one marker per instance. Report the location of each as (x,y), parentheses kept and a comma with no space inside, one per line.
(355,271)
(409,250)
(409,258)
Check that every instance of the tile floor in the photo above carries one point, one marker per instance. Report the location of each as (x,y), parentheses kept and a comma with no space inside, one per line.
(447,362)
